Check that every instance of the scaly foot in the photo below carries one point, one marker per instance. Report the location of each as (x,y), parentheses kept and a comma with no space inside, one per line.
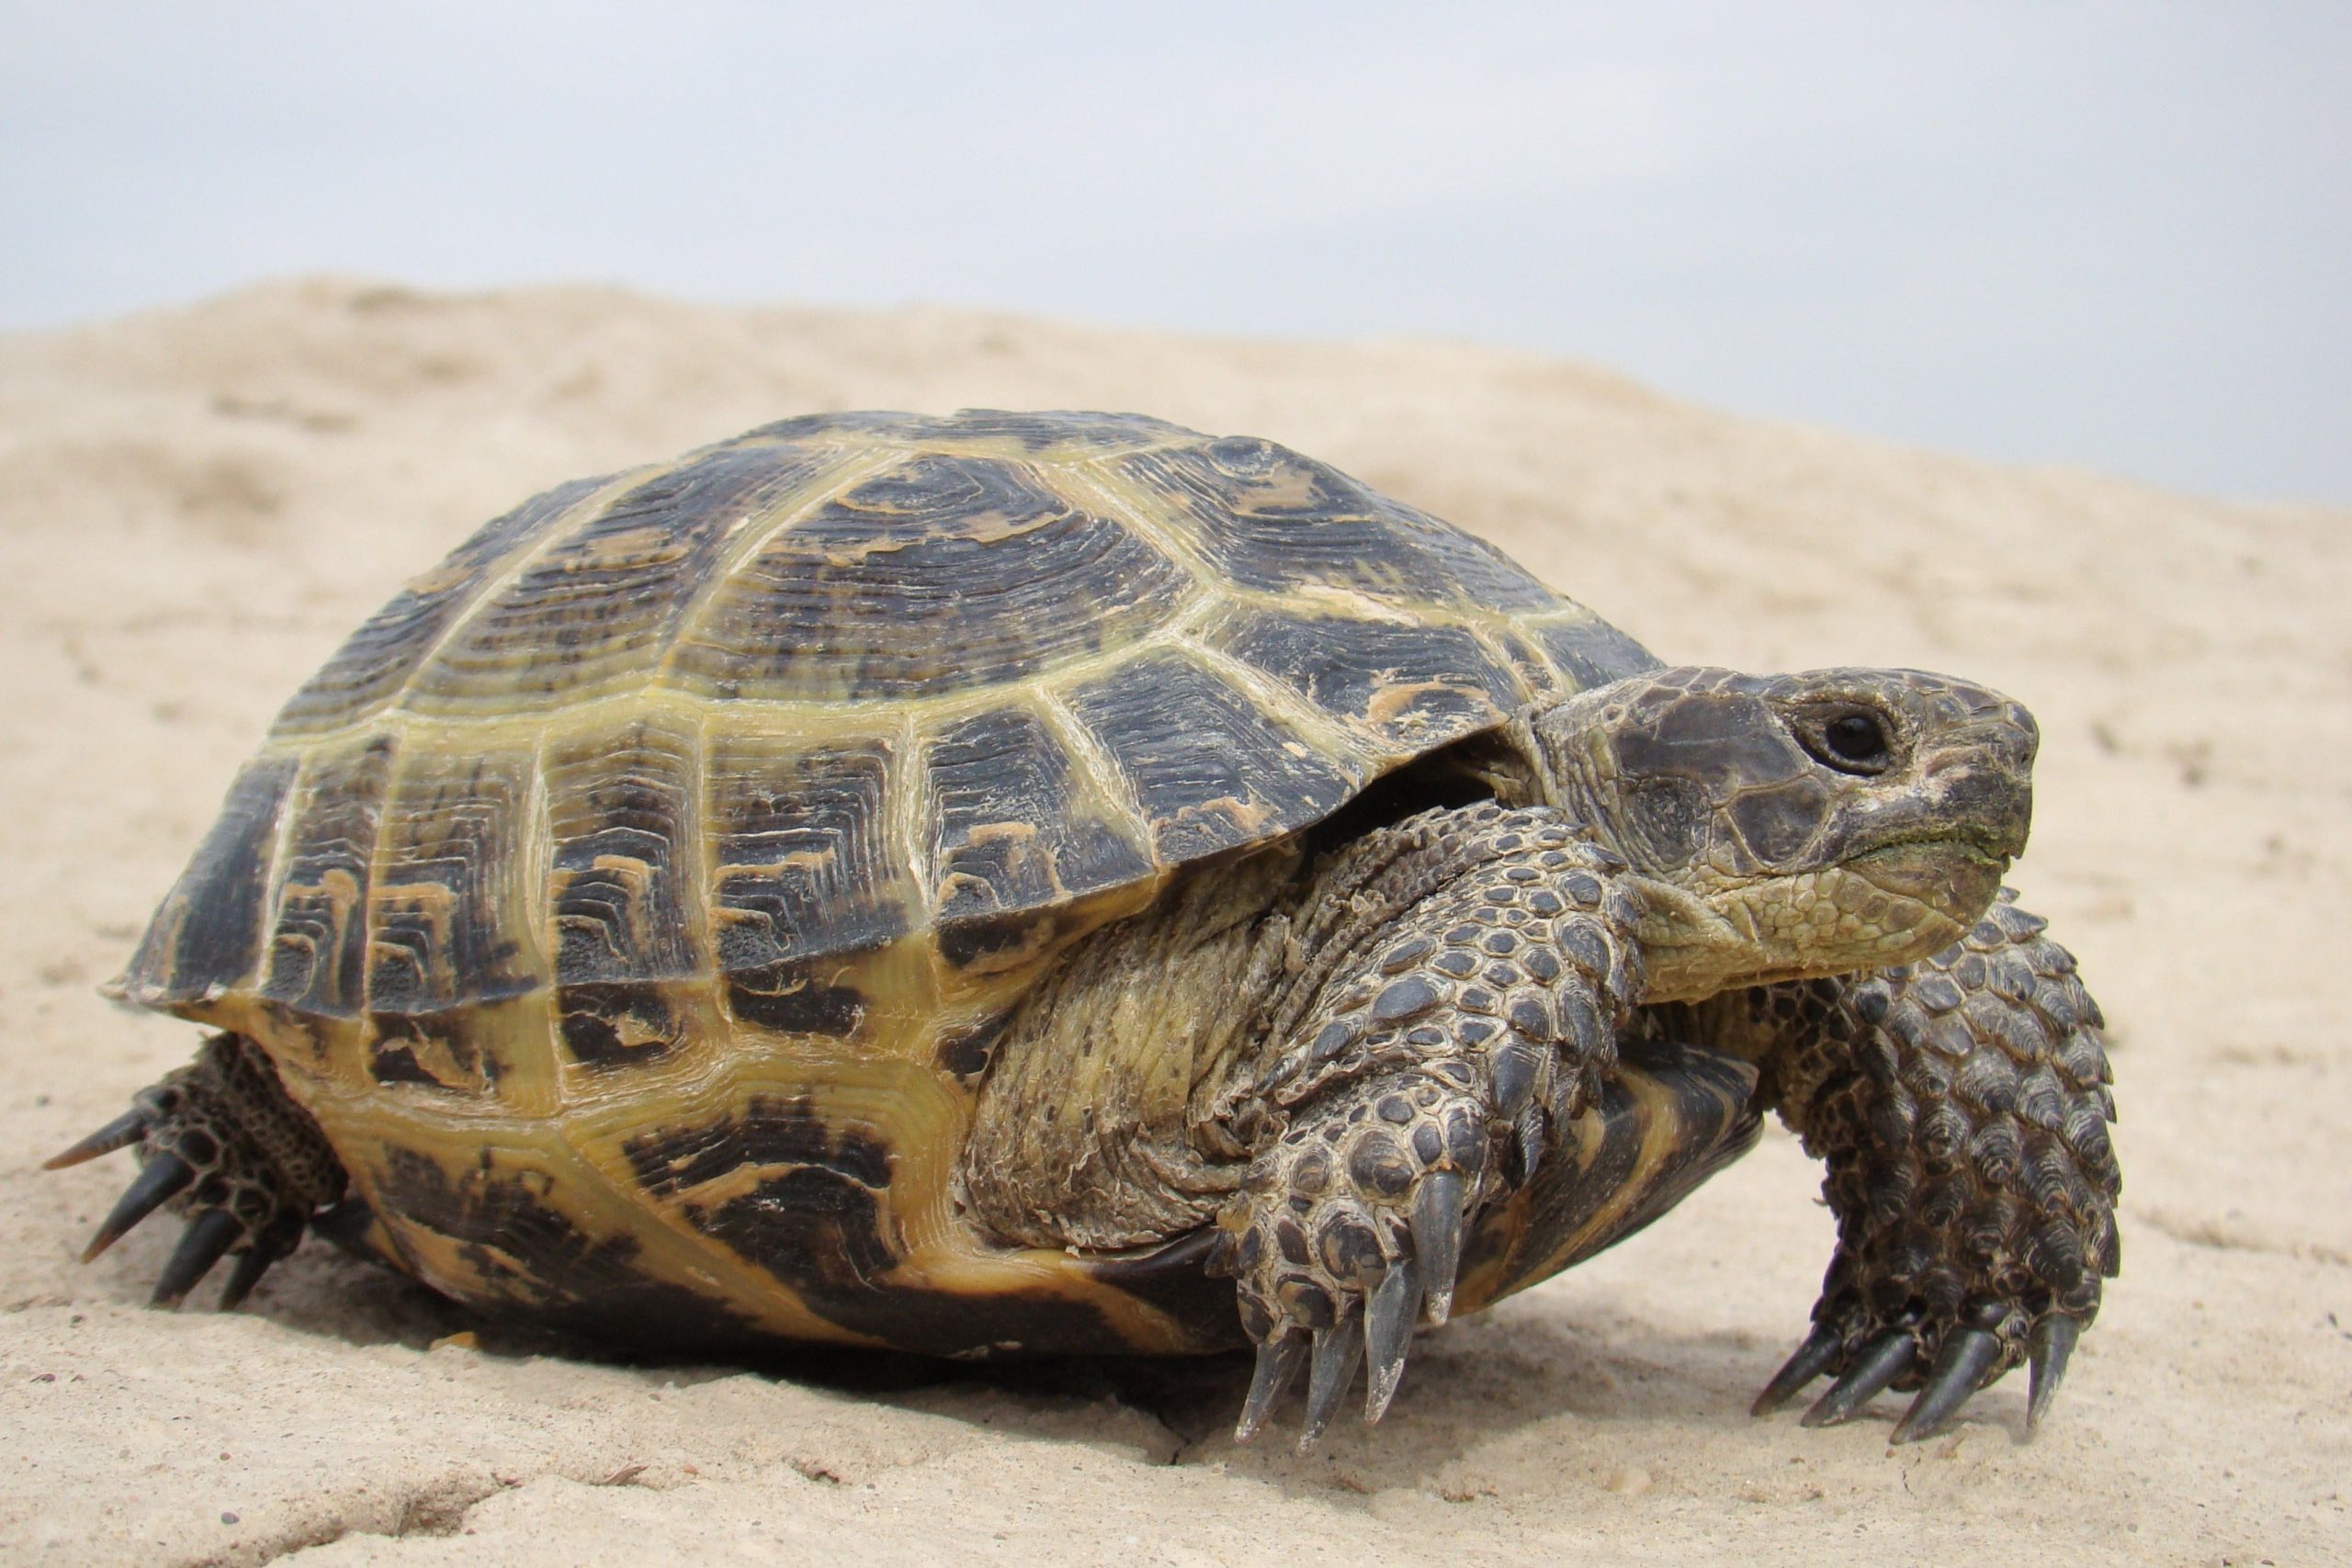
(219,1141)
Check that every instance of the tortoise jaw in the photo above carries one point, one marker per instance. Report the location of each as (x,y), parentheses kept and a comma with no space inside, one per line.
(1954,876)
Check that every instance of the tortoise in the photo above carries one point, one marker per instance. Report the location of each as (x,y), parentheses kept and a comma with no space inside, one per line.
(1022,884)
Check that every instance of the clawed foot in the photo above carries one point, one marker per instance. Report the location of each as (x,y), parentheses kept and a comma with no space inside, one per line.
(217,1141)
(1968,1356)
(1347,1235)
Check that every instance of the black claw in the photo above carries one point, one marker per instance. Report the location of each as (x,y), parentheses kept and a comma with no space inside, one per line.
(1437,1238)
(1278,1364)
(1812,1358)
(1880,1365)
(1337,1351)
(158,1180)
(2054,1342)
(125,1129)
(252,1263)
(206,1241)
(1959,1372)
(1389,1320)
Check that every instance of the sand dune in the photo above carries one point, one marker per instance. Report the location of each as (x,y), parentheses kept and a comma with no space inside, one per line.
(197,504)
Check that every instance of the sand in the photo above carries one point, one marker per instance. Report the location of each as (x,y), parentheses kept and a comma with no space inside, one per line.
(197,504)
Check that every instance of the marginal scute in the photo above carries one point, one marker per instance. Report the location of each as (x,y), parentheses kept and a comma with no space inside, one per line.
(207,935)
(449,910)
(803,875)
(318,951)
(1590,651)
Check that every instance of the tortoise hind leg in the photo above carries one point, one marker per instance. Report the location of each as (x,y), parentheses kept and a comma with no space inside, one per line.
(220,1141)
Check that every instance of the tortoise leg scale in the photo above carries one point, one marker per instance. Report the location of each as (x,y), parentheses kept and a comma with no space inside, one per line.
(1487,965)
(219,1141)
(1962,1107)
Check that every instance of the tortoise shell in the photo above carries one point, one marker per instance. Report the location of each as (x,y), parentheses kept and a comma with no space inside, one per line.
(633,898)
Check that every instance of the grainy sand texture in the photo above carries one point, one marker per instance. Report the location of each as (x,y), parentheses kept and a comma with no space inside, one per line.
(196,505)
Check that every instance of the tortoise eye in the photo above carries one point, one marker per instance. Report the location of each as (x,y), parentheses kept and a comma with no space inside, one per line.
(1853,740)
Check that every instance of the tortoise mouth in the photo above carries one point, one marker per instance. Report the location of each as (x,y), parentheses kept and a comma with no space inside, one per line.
(1954,875)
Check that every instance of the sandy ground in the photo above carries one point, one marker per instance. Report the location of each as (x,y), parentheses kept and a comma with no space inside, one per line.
(196,505)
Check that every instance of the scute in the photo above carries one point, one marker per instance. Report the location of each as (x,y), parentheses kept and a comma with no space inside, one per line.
(1403,680)
(369,669)
(317,950)
(942,571)
(1016,842)
(1276,520)
(804,872)
(592,611)
(1210,771)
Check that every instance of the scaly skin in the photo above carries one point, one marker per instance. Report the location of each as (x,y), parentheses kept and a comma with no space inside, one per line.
(219,1142)
(1961,1105)
(1473,970)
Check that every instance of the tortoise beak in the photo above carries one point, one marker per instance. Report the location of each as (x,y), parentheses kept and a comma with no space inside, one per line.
(1979,778)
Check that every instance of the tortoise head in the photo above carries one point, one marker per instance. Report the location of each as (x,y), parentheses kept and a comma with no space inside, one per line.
(1781,827)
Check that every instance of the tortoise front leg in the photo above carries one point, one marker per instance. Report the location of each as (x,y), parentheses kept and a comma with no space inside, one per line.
(1962,1107)
(1464,978)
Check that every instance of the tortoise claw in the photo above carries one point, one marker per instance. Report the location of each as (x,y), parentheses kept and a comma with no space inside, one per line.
(2053,1343)
(1959,1372)
(1528,1143)
(206,1241)
(1812,1358)
(1337,1349)
(1881,1365)
(1437,1238)
(1388,1333)
(252,1263)
(1278,1363)
(158,1181)
(121,1132)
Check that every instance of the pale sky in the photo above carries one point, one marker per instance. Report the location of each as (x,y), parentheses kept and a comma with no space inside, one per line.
(2104,235)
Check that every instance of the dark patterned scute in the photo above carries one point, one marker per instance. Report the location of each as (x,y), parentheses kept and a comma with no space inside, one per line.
(1590,652)
(620,811)
(804,872)
(1588,1196)
(317,954)
(595,611)
(207,935)
(378,658)
(1275,520)
(1009,845)
(1405,679)
(818,1218)
(943,571)
(527,1253)
(1211,772)
(440,935)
